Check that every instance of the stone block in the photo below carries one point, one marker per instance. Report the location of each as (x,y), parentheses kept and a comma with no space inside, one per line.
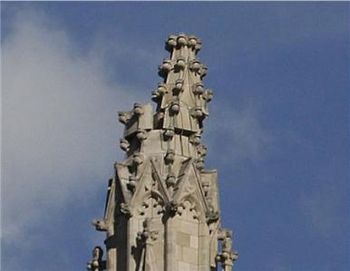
(183,239)
(194,241)
(190,255)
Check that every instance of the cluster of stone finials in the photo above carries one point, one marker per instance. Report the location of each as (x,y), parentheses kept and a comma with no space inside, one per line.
(181,108)
(165,156)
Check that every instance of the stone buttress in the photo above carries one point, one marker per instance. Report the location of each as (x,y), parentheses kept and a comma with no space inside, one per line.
(162,209)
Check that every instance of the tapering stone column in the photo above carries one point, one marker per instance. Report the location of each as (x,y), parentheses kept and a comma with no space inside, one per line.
(162,209)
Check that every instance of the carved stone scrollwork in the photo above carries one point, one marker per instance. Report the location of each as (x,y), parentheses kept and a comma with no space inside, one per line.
(124,144)
(195,139)
(171,208)
(138,159)
(124,117)
(100,224)
(212,216)
(147,233)
(96,263)
(188,210)
(202,150)
(159,92)
(208,95)
(200,163)
(125,209)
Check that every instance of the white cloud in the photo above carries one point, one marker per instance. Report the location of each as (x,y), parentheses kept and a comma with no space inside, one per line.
(59,126)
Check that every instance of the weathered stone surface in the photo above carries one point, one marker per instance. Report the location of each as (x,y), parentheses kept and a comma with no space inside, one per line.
(162,208)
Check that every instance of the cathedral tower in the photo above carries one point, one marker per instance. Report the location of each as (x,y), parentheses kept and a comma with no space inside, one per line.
(162,208)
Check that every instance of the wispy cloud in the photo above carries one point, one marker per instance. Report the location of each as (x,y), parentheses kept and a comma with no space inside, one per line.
(236,134)
(59,128)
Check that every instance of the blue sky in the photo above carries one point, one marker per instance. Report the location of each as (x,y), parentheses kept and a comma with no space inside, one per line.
(278,131)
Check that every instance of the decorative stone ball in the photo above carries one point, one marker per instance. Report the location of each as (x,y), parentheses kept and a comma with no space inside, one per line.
(169,133)
(95,263)
(198,89)
(179,83)
(172,41)
(141,135)
(192,41)
(180,63)
(178,86)
(197,112)
(195,66)
(175,107)
(171,179)
(138,109)
(162,88)
(166,65)
(170,156)
(225,255)
(181,40)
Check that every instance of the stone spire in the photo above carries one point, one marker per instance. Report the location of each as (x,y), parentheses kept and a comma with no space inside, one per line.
(162,208)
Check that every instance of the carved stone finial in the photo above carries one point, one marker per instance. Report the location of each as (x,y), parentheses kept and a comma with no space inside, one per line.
(124,144)
(171,179)
(123,117)
(96,263)
(100,224)
(170,156)
(125,209)
(161,202)
(227,255)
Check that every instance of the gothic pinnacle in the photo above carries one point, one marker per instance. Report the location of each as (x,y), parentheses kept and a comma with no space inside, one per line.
(162,207)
